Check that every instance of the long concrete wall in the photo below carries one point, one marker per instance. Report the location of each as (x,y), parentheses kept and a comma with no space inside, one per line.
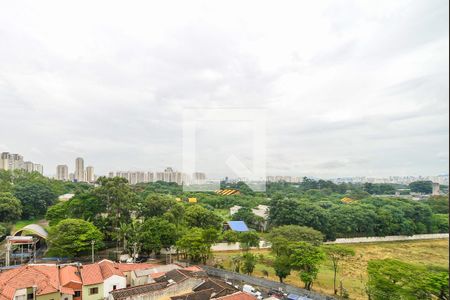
(236,246)
(265,245)
(392,238)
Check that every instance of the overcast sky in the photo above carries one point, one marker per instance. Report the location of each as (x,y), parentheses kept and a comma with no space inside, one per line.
(349,87)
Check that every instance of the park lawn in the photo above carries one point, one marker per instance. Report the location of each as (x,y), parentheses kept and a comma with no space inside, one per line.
(354,270)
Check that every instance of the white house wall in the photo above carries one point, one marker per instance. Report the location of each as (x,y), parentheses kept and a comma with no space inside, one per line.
(119,281)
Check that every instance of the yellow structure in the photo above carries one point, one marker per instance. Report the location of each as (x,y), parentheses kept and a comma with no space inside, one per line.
(192,200)
(347,200)
(228,192)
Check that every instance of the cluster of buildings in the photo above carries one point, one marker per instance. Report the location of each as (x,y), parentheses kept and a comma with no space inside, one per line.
(13,161)
(289,179)
(81,173)
(107,280)
(441,179)
(168,175)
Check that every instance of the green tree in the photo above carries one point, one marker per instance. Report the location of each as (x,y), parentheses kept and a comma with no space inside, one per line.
(57,212)
(246,214)
(248,240)
(175,214)
(194,245)
(35,198)
(337,253)
(305,258)
(295,233)
(211,235)
(10,208)
(198,216)
(282,266)
(438,204)
(3,232)
(72,237)
(86,206)
(393,279)
(439,223)
(249,261)
(230,236)
(157,233)
(118,198)
(424,187)
(156,205)
(236,262)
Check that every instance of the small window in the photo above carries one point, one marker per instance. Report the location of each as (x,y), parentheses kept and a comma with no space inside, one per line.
(93,291)
(77,294)
(30,296)
(114,287)
(66,298)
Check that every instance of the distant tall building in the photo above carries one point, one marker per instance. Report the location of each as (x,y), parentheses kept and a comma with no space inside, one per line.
(90,177)
(436,189)
(11,161)
(62,172)
(198,178)
(150,177)
(4,161)
(38,168)
(28,166)
(79,170)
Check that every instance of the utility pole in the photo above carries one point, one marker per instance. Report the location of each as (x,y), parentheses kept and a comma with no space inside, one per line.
(34,251)
(134,251)
(93,258)
(8,250)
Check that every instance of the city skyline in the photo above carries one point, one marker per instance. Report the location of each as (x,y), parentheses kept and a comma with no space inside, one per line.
(144,175)
(354,89)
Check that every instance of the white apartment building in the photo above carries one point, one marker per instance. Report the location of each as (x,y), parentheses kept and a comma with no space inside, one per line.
(10,161)
(79,169)
(62,172)
(169,175)
(28,166)
(90,176)
(38,168)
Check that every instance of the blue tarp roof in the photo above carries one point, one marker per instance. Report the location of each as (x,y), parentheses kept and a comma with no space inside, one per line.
(238,226)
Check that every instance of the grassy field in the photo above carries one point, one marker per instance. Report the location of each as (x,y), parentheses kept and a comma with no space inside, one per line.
(353,271)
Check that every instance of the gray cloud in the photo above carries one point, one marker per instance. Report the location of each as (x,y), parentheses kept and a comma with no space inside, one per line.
(350,88)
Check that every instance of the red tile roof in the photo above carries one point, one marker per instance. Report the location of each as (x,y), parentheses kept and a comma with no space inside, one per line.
(68,274)
(238,296)
(91,274)
(44,277)
(136,266)
(109,269)
(193,268)
(51,279)
(98,272)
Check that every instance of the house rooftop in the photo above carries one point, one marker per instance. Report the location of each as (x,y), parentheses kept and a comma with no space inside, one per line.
(238,226)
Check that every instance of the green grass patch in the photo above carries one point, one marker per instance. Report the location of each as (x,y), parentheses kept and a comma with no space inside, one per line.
(353,272)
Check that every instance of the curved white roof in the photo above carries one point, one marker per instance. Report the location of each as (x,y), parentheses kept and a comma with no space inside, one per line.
(34,228)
